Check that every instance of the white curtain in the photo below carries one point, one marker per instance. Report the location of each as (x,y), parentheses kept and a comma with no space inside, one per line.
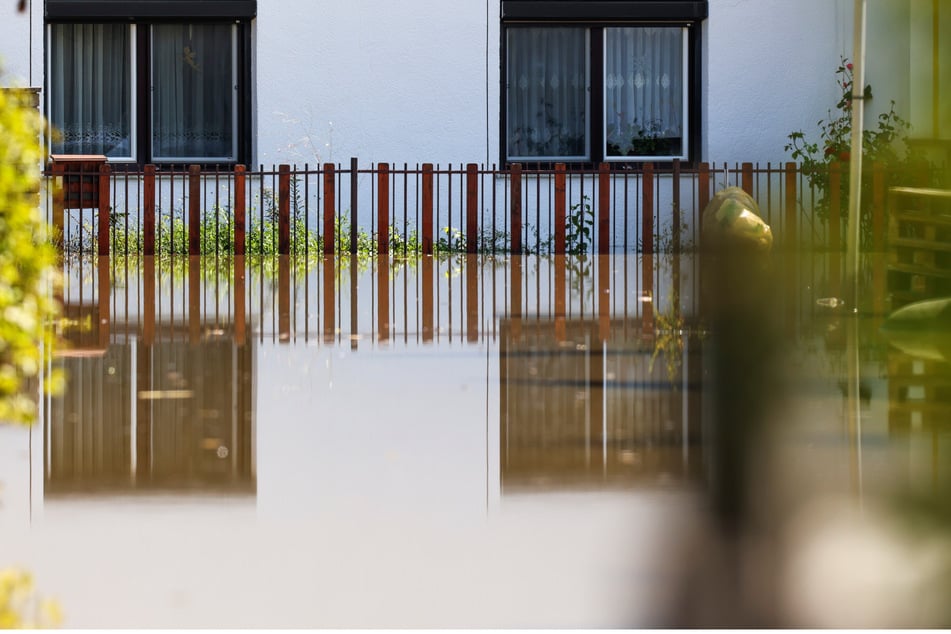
(90,89)
(193,98)
(644,91)
(547,75)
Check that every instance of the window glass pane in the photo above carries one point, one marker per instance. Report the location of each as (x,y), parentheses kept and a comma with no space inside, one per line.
(547,92)
(90,89)
(193,100)
(644,91)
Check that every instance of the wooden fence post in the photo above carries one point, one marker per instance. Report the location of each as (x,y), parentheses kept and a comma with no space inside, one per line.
(604,208)
(240,210)
(284,210)
(472,298)
(703,189)
(194,298)
(427,208)
(104,209)
(516,211)
(194,209)
(354,190)
(105,290)
(747,177)
(472,208)
(330,204)
(561,209)
(240,282)
(647,209)
(383,208)
(148,211)
(59,211)
(791,240)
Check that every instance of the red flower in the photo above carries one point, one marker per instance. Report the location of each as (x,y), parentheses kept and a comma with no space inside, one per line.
(849,65)
(830,151)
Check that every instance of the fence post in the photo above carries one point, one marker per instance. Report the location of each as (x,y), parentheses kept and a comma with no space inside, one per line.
(472,298)
(284,209)
(747,177)
(240,323)
(676,219)
(59,191)
(383,208)
(194,299)
(472,207)
(240,210)
(427,208)
(148,212)
(104,211)
(354,188)
(516,211)
(561,210)
(791,214)
(647,208)
(703,189)
(330,237)
(604,208)
(194,209)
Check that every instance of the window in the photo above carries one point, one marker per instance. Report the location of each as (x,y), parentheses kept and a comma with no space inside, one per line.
(600,81)
(160,89)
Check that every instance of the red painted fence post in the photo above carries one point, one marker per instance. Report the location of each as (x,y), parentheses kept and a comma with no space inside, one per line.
(194,210)
(516,211)
(604,208)
(148,212)
(561,209)
(104,209)
(472,208)
(240,210)
(383,208)
(284,210)
(647,208)
(330,203)
(427,208)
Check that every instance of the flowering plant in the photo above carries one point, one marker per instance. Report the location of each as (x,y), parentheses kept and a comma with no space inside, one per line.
(884,143)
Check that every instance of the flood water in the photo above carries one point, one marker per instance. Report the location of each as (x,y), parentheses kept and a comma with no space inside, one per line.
(473,442)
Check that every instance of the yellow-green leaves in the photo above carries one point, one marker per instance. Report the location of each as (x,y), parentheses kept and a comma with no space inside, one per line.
(20,607)
(26,258)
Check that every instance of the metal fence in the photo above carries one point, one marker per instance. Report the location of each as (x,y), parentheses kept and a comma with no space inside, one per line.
(425,208)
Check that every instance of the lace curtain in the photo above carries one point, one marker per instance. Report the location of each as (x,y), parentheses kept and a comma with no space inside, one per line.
(193,93)
(90,88)
(547,92)
(644,91)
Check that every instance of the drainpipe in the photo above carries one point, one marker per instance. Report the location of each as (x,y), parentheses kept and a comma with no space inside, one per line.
(855,178)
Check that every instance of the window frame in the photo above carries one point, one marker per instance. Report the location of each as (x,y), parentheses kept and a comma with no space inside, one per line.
(596,16)
(144,15)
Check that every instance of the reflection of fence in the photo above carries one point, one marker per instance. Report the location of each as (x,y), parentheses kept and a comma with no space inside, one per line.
(426,208)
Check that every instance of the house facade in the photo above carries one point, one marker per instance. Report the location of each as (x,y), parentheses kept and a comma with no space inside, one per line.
(488,81)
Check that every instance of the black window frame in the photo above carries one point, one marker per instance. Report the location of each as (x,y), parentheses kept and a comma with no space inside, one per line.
(146,13)
(596,15)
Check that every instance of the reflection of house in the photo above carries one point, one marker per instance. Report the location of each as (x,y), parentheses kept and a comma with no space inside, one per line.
(172,416)
(581,411)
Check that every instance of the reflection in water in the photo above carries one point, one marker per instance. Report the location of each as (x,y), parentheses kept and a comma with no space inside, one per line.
(579,409)
(151,406)
(345,388)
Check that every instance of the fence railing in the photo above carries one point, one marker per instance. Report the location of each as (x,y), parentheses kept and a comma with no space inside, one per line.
(427,208)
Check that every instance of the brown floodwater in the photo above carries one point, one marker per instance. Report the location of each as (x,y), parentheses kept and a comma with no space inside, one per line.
(480,442)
